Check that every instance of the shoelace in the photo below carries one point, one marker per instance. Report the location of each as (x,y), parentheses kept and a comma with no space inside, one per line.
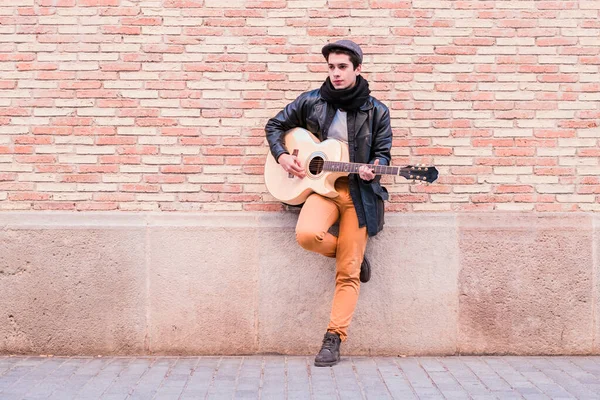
(329,342)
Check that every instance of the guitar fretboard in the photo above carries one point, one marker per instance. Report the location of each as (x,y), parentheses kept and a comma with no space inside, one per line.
(337,166)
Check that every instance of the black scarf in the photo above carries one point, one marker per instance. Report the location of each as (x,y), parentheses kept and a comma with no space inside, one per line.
(347,99)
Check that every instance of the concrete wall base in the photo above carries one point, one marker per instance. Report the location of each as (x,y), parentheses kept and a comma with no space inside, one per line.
(237,283)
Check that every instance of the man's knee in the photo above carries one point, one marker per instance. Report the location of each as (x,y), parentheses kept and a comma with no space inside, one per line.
(348,271)
(308,239)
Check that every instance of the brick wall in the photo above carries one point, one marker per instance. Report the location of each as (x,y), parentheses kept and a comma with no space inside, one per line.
(160,105)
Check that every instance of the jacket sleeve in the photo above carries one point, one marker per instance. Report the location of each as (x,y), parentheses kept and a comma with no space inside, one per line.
(292,116)
(382,139)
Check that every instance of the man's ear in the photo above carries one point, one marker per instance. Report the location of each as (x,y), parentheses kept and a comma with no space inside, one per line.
(358,69)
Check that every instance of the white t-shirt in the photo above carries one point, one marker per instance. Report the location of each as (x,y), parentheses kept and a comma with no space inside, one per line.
(339,127)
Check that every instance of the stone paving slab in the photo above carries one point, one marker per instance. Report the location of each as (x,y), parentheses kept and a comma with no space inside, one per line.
(294,377)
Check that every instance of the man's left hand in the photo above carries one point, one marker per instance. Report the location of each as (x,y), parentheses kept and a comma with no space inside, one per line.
(366,172)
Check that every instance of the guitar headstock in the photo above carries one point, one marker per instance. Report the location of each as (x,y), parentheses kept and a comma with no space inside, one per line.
(419,172)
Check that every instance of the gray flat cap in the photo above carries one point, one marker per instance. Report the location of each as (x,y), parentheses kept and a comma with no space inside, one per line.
(343,44)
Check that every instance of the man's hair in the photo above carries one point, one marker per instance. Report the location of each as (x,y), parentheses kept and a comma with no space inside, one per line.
(353,57)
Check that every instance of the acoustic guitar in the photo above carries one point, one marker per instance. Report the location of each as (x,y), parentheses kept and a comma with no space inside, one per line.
(324,162)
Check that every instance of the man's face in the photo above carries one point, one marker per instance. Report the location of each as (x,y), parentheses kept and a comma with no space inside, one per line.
(341,71)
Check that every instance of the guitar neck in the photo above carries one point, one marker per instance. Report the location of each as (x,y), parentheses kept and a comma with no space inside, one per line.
(338,166)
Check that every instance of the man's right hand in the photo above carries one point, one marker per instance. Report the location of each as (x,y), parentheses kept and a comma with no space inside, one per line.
(291,164)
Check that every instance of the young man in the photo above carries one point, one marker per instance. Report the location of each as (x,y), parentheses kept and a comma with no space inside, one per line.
(342,109)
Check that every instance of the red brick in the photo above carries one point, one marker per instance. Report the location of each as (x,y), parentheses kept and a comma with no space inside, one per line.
(245,160)
(103,169)
(198,197)
(493,142)
(120,11)
(86,94)
(35,66)
(14,112)
(591,189)
(6,84)
(535,142)
(578,124)
(222,113)
(118,103)
(554,171)
(514,152)
(36,159)
(455,50)
(222,188)
(139,188)
(588,152)
(55,75)
(401,32)
(181,169)
(138,112)
(239,197)
(54,168)
(80,85)
(97,3)
(143,21)
(121,30)
(222,151)
(164,178)
(203,160)
(552,133)
(54,205)
(183,3)
(267,76)
(514,114)
(28,196)
(179,131)
(120,159)
(96,206)
(121,66)
(408,198)
(72,121)
(21,186)
(514,189)
(263,207)
(94,131)
(138,150)
(490,198)
(253,170)
(436,151)
(266,3)
(467,170)
(204,31)
(82,178)
(114,197)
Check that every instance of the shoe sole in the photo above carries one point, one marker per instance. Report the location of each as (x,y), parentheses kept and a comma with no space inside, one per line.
(326,364)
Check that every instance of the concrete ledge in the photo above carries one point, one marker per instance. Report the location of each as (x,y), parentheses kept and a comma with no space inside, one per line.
(237,283)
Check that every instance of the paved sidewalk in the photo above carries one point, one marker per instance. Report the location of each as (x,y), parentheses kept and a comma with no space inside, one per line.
(280,377)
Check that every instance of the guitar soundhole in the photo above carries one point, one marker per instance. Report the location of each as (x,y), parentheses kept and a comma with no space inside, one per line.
(315,167)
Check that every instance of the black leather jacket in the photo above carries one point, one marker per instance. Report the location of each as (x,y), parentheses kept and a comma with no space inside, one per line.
(369,138)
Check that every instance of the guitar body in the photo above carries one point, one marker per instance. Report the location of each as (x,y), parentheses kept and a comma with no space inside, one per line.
(311,153)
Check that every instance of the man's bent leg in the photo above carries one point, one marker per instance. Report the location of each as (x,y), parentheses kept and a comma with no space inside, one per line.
(318,214)
(351,245)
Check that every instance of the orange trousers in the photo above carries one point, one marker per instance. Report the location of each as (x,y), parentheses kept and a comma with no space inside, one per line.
(316,217)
